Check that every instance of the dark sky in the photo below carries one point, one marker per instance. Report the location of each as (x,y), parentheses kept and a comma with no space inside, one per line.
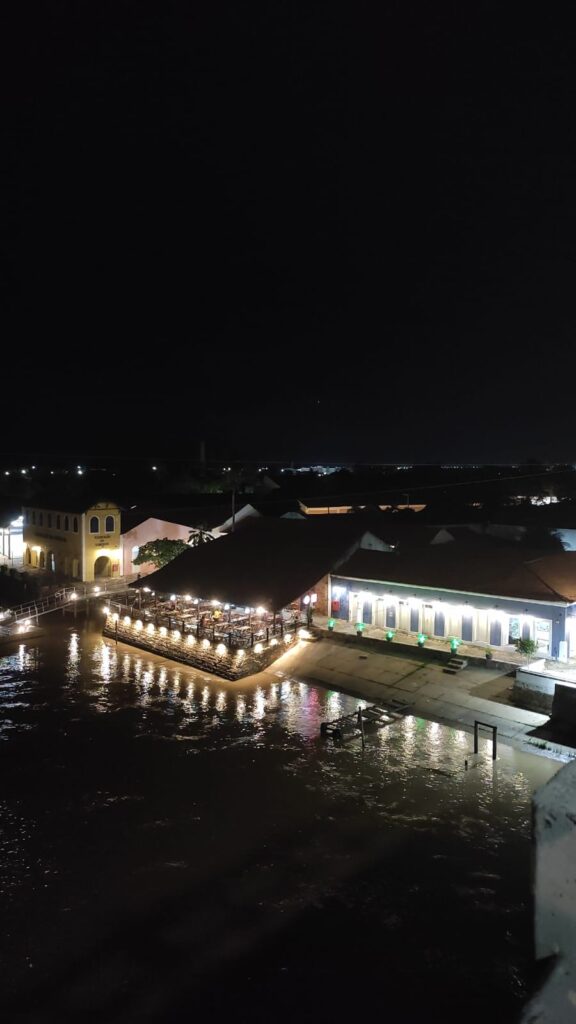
(330,231)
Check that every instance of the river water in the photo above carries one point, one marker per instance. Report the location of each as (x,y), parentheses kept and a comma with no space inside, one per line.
(177,847)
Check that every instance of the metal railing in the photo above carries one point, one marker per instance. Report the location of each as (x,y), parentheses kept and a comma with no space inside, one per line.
(62,597)
(222,632)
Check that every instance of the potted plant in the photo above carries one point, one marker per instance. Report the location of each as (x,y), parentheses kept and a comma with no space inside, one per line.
(390,635)
(454,644)
(360,627)
(488,654)
(527,647)
(421,639)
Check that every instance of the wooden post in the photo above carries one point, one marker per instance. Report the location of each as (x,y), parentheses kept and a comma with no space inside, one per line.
(361,724)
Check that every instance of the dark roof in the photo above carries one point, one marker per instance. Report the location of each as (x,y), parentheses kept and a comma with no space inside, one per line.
(269,563)
(133,518)
(504,571)
(75,506)
(194,510)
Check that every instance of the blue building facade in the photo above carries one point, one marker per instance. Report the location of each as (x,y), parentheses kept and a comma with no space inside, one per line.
(486,619)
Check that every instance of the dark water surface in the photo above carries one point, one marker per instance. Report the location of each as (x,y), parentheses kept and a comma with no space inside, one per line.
(182,848)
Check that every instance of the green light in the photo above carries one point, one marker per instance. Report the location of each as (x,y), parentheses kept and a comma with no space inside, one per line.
(360,627)
(421,638)
(390,634)
(331,623)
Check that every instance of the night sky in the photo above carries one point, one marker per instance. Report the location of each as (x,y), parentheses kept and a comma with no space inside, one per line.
(321,231)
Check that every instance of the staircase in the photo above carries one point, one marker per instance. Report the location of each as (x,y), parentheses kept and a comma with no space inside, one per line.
(455,665)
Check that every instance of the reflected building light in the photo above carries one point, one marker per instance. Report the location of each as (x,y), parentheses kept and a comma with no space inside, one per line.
(259,703)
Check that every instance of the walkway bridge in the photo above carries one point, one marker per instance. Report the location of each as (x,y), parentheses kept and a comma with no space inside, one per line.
(60,599)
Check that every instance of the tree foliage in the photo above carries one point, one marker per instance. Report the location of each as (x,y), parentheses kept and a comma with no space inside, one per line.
(160,552)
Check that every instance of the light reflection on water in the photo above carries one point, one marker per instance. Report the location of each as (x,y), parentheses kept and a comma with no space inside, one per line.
(253,746)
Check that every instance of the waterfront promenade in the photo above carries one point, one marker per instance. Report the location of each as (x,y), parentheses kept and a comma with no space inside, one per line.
(476,693)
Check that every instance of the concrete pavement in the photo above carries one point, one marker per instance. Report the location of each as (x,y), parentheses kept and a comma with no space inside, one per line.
(475,693)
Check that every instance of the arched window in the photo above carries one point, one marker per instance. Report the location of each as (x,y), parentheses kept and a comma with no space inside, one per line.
(75,565)
(94,524)
(109,524)
(40,519)
(33,517)
(58,522)
(75,524)
(49,520)
(28,557)
(66,523)
(35,559)
(42,560)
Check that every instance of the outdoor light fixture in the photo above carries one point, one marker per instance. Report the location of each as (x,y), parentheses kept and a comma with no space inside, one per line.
(74,597)
(115,617)
(191,639)
(176,634)
(127,620)
(240,653)
(260,610)
(163,631)
(258,649)
(306,599)
(273,642)
(221,649)
(287,638)
(150,627)
(172,597)
(146,590)
(106,610)
(138,624)
(187,597)
(96,590)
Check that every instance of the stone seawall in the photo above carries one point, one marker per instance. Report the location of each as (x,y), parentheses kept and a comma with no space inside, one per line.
(215,658)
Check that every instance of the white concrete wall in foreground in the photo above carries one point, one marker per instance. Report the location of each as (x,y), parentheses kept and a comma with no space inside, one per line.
(555,898)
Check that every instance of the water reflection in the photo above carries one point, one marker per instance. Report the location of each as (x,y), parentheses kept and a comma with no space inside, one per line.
(276,787)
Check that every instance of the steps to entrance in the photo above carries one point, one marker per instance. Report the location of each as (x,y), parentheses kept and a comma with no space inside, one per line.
(455,665)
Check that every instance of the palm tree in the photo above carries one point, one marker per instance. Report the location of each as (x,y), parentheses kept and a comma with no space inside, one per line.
(199,536)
